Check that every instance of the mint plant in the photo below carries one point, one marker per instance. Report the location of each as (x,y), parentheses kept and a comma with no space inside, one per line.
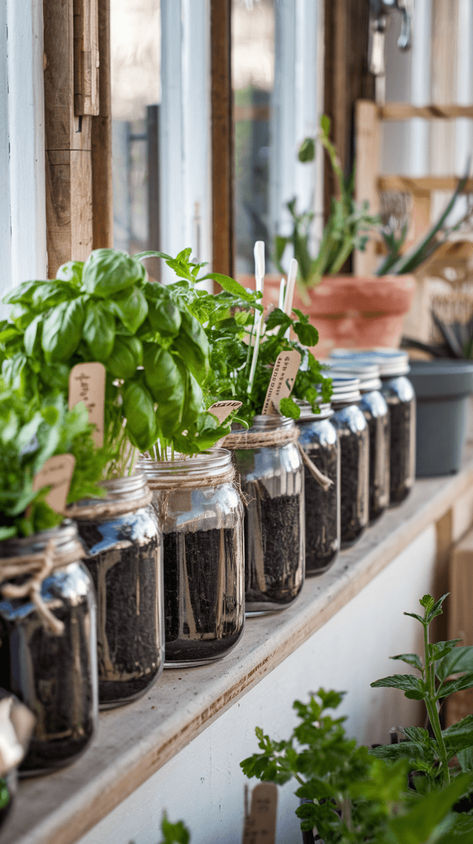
(227,319)
(435,755)
(174,833)
(30,433)
(348,795)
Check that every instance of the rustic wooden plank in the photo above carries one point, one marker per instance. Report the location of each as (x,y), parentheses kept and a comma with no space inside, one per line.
(460,617)
(406,111)
(102,195)
(346,77)
(135,741)
(68,206)
(367,152)
(86,57)
(222,137)
(421,184)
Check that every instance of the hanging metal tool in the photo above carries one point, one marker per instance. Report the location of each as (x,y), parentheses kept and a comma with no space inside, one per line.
(379,15)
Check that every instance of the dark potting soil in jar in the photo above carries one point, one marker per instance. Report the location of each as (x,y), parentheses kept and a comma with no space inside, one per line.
(123,563)
(354,491)
(379,438)
(54,675)
(321,511)
(402,422)
(203,615)
(273,533)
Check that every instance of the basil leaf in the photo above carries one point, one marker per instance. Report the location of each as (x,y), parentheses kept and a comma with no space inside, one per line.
(125,357)
(167,383)
(62,330)
(51,293)
(32,337)
(109,271)
(164,317)
(194,401)
(140,416)
(71,272)
(22,294)
(131,308)
(99,330)
(307,333)
(192,344)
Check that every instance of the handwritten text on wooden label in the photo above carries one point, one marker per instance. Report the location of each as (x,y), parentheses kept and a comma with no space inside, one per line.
(56,473)
(87,384)
(222,409)
(260,825)
(282,380)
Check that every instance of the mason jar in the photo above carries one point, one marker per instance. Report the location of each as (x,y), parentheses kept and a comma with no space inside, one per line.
(201,518)
(319,439)
(353,437)
(124,558)
(400,398)
(375,410)
(272,480)
(48,651)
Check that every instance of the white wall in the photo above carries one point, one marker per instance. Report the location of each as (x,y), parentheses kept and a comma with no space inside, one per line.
(203,784)
(22,170)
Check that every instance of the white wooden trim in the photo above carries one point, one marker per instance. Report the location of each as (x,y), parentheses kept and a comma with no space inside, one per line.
(22,171)
(185,195)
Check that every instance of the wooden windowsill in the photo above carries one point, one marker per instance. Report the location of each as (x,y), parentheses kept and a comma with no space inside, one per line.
(134,741)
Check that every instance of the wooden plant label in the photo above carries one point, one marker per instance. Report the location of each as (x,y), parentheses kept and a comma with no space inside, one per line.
(282,381)
(87,384)
(57,474)
(222,409)
(260,824)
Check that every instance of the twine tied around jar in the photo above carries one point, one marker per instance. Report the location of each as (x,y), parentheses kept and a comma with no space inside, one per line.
(36,568)
(260,439)
(109,508)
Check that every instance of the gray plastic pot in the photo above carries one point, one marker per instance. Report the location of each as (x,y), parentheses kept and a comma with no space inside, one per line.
(443,388)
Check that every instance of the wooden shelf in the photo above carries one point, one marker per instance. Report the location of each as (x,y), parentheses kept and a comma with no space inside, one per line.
(136,740)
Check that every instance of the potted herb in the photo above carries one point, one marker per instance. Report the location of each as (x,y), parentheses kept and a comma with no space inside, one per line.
(244,350)
(418,790)
(351,311)
(47,601)
(345,794)
(155,357)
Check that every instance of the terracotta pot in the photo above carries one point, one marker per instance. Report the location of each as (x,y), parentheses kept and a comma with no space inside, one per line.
(352,311)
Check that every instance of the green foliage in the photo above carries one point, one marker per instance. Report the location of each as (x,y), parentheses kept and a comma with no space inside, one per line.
(348,795)
(227,319)
(443,669)
(30,433)
(347,227)
(440,231)
(106,310)
(174,833)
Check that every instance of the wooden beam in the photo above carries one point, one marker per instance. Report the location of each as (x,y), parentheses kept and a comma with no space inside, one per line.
(406,111)
(222,137)
(346,77)
(67,144)
(86,57)
(421,184)
(102,197)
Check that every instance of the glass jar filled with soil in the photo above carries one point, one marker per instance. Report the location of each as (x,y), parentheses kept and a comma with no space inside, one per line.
(201,517)
(400,398)
(124,557)
(319,439)
(353,437)
(48,651)
(375,410)
(272,479)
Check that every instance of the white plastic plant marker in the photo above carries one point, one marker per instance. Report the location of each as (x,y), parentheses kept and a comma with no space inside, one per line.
(259,278)
(291,286)
(282,291)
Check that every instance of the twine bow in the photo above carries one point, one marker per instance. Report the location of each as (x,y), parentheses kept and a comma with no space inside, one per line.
(36,567)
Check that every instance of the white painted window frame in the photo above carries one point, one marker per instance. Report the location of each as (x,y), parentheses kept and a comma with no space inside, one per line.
(22,158)
(185,141)
(296,106)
